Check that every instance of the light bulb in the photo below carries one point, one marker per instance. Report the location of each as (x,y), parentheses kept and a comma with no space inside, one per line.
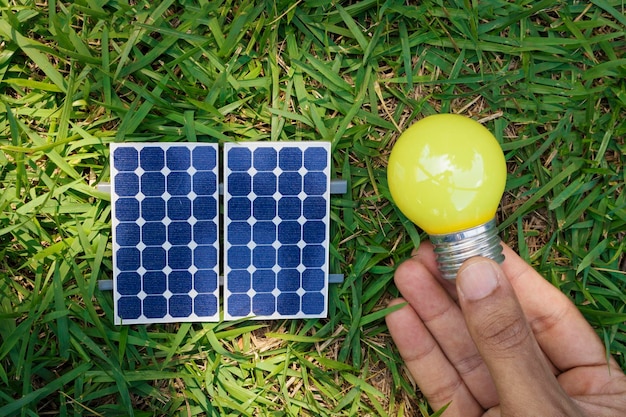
(447,174)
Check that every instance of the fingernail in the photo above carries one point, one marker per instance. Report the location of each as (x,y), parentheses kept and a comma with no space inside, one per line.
(477,280)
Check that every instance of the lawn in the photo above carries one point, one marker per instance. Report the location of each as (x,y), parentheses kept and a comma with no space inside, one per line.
(547,77)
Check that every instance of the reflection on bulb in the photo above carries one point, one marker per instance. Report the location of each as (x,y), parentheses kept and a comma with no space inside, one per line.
(447,174)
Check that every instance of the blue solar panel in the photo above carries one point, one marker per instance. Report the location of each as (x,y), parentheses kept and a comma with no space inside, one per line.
(276,208)
(165,232)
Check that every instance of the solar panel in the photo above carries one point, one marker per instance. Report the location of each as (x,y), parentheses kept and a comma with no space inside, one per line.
(165,232)
(276,222)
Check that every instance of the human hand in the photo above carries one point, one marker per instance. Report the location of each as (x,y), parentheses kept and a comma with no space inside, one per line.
(517,348)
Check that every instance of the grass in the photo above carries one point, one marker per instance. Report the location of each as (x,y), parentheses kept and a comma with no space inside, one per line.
(548,78)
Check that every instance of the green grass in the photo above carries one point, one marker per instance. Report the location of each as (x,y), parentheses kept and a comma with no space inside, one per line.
(548,78)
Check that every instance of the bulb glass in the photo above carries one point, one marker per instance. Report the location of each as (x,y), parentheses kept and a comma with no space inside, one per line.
(447,173)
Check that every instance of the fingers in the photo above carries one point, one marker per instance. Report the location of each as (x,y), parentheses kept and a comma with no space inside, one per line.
(426,256)
(506,342)
(444,322)
(433,373)
(553,329)
(554,319)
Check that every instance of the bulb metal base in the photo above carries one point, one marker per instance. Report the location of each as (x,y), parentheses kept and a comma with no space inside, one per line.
(452,249)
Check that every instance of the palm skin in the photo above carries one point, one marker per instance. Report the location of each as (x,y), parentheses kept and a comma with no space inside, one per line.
(518,348)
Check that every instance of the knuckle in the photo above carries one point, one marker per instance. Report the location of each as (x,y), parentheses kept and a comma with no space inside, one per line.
(442,392)
(422,353)
(548,321)
(440,314)
(504,332)
(468,364)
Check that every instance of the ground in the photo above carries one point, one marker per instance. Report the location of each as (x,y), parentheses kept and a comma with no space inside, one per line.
(546,78)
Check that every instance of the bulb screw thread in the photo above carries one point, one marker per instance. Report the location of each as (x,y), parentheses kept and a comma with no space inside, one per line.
(452,249)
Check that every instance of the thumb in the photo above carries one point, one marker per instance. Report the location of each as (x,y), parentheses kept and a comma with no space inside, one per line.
(505,340)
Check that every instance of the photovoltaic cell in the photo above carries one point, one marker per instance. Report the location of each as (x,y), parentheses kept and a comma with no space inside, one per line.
(165,232)
(276,208)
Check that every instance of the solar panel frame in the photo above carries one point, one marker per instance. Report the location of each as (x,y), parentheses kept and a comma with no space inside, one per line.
(165,229)
(270,270)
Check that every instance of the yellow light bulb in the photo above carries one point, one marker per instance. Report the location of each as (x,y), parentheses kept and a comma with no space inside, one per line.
(447,174)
